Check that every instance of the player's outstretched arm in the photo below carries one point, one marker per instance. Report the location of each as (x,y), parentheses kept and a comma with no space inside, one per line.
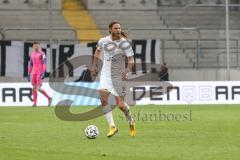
(130,64)
(44,61)
(30,66)
(129,68)
(95,62)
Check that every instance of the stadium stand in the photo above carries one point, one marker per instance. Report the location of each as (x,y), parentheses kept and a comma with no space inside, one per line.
(29,20)
(81,20)
(142,25)
(180,24)
(192,32)
(210,22)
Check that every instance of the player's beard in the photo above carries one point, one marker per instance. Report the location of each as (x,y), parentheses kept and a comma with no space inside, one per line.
(116,35)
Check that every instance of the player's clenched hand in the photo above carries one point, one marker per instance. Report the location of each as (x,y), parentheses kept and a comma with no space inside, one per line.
(94,71)
(29,78)
(125,75)
(42,75)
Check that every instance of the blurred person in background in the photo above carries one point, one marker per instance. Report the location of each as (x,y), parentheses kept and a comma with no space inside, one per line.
(163,74)
(36,72)
(86,75)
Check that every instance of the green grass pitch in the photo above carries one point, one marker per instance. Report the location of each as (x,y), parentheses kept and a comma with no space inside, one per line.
(187,132)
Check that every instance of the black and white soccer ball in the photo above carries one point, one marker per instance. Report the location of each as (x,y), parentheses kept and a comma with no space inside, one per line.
(91,132)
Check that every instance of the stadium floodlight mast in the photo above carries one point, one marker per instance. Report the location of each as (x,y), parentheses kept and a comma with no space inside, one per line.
(227,38)
(50,27)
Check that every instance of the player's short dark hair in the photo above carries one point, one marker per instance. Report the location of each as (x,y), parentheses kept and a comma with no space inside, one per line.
(36,42)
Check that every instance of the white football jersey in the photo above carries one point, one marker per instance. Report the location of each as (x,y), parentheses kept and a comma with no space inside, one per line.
(114,56)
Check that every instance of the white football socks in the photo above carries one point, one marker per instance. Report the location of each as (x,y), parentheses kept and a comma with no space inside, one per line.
(109,118)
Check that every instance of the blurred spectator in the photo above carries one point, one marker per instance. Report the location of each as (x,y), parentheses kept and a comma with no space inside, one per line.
(163,74)
(85,76)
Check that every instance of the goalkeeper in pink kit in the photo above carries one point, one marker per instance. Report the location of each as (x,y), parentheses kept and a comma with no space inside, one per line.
(36,72)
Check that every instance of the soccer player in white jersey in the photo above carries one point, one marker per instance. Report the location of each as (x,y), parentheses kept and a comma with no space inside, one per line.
(114,48)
